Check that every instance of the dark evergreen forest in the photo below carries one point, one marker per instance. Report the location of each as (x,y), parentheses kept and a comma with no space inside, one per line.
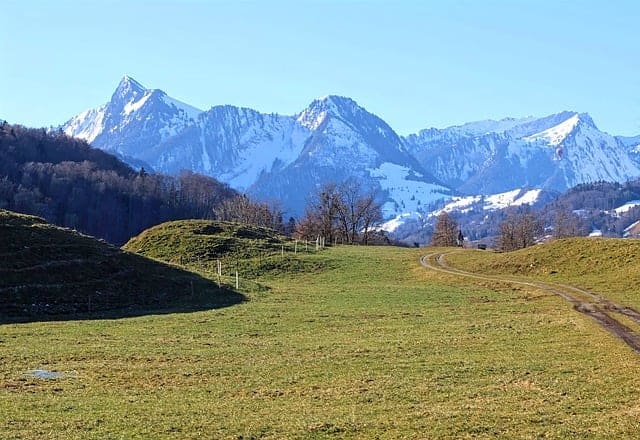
(71,184)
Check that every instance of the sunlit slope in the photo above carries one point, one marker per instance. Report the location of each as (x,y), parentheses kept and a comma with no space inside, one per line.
(201,244)
(609,266)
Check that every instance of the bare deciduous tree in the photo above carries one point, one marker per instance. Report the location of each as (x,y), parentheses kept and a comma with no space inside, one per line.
(567,224)
(518,231)
(445,232)
(371,216)
(241,209)
(340,211)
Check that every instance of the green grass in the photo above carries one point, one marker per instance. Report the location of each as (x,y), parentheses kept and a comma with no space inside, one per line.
(368,346)
(46,271)
(608,266)
(200,244)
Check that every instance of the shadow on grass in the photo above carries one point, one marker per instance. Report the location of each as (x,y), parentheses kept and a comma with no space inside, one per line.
(124,285)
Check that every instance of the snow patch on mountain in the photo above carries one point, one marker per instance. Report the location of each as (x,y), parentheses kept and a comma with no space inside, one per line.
(555,135)
(395,222)
(466,204)
(190,111)
(627,206)
(491,202)
(134,105)
(206,160)
(316,113)
(633,230)
(87,125)
(511,198)
(479,128)
(269,155)
(407,193)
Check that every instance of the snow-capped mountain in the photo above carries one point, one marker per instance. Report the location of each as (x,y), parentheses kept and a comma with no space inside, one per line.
(134,119)
(286,158)
(271,156)
(347,142)
(233,144)
(555,152)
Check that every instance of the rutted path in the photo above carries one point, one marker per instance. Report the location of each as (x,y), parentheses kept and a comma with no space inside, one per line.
(588,303)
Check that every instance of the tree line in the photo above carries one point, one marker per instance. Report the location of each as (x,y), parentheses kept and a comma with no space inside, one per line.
(65,181)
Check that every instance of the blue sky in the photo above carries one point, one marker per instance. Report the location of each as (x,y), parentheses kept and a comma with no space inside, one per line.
(416,64)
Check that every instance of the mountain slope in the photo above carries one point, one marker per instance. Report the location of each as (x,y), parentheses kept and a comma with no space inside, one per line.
(234,144)
(133,119)
(347,142)
(555,152)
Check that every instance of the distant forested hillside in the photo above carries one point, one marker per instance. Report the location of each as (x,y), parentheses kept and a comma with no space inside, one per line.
(599,205)
(600,195)
(70,184)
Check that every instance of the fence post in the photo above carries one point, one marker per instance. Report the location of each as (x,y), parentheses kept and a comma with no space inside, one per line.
(237,281)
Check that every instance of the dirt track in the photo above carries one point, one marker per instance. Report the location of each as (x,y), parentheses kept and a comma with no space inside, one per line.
(591,304)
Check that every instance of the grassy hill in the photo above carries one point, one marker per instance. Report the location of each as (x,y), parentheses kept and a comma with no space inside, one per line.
(610,266)
(47,270)
(200,244)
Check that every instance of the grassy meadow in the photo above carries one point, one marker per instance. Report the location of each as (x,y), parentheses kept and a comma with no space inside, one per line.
(350,342)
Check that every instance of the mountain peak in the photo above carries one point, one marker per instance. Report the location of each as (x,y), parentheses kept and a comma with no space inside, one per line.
(333,104)
(570,115)
(337,100)
(562,124)
(330,105)
(585,118)
(128,81)
(128,88)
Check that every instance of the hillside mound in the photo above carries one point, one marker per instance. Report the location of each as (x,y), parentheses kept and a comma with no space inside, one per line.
(47,270)
(603,263)
(191,241)
(572,256)
(251,250)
